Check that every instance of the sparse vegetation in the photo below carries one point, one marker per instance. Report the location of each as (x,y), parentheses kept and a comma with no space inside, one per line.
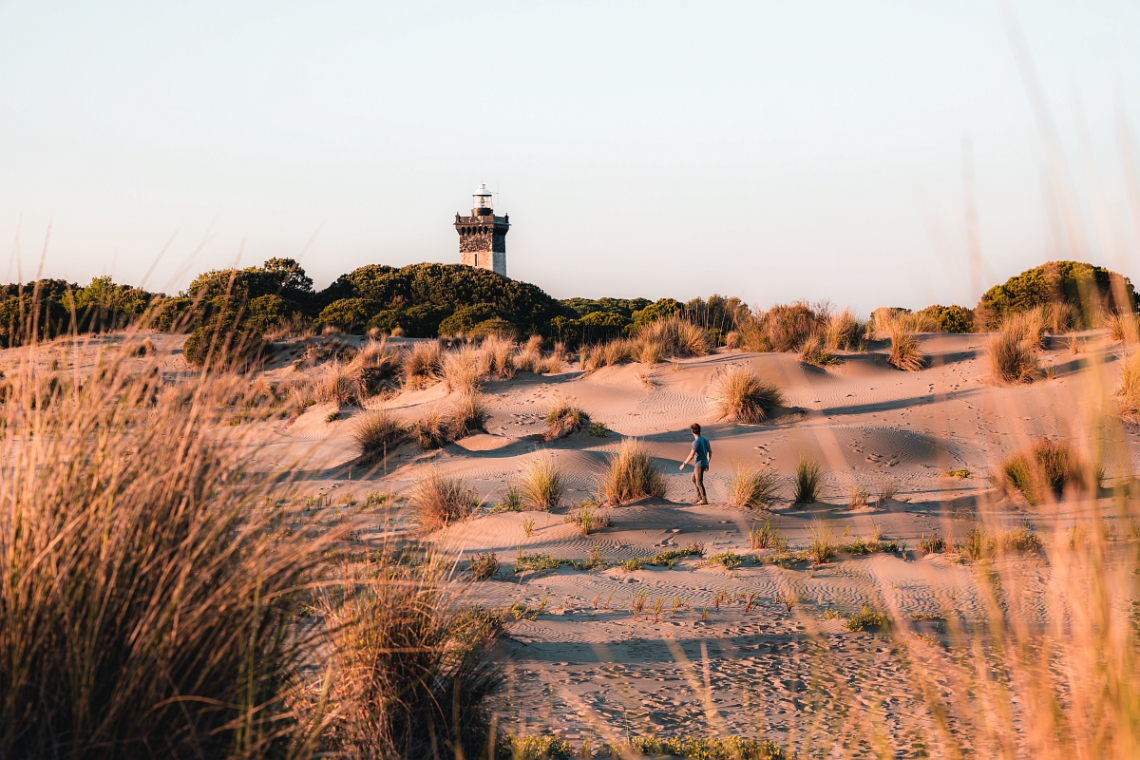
(766,537)
(867,618)
(631,474)
(931,544)
(728,559)
(821,547)
(740,395)
(484,566)
(1129,392)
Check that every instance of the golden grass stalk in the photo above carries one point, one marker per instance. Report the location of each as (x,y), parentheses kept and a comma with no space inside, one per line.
(631,474)
(740,395)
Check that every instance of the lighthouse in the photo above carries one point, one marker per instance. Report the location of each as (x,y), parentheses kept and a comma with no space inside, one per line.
(483,236)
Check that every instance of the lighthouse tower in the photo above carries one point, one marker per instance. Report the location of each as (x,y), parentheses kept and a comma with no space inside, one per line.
(483,236)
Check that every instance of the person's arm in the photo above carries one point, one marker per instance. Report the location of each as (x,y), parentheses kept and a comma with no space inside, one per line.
(692,453)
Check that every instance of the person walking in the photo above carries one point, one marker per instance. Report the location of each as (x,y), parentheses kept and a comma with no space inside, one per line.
(700,456)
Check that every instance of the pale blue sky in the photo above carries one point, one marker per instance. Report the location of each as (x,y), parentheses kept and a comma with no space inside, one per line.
(769,150)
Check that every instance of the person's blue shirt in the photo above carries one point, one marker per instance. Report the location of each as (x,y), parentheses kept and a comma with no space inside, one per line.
(701,446)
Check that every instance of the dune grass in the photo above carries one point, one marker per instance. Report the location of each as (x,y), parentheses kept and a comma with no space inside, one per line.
(1046,470)
(438,500)
(843,332)
(339,384)
(468,414)
(814,351)
(145,591)
(905,353)
(752,488)
(805,486)
(564,420)
(1128,394)
(676,335)
(541,484)
(631,474)
(1013,352)
(423,365)
(377,433)
(741,396)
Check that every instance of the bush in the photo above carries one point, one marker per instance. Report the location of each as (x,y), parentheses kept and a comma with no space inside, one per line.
(438,501)
(1090,291)
(806,485)
(740,395)
(377,434)
(339,385)
(751,488)
(541,484)
(784,327)
(468,415)
(946,319)
(631,474)
(905,353)
(1046,469)
(1122,327)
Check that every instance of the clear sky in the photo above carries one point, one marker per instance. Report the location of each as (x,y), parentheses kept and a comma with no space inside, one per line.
(770,150)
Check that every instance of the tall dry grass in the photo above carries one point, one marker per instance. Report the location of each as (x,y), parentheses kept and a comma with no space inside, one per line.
(631,474)
(146,591)
(676,335)
(742,396)
(905,353)
(1014,352)
(423,365)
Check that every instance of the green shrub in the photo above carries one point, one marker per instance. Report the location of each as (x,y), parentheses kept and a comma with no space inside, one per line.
(1091,291)
(867,619)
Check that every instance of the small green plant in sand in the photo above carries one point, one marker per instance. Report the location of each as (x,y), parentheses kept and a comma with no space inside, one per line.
(931,544)
(528,527)
(728,559)
(631,474)
(858,497)
(598,429)
(484,566)
(867,619)
(751,488)
(766,537)
(805,487)
(1020,539)
(960,473)
(741,396)
(821,548)
(787,599)
(513,500)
